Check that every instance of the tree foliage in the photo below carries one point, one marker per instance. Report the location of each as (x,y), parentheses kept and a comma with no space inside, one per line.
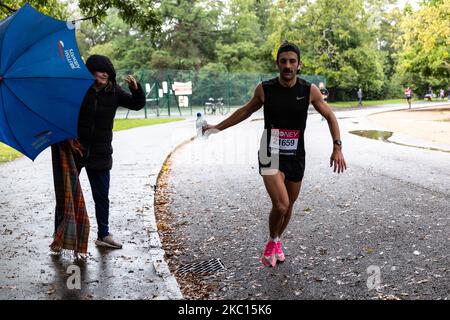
(52,8)
(141,14)
(371,44)
(424,47)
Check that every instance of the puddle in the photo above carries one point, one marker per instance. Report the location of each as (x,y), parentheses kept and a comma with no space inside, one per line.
(385,135)
(373,134)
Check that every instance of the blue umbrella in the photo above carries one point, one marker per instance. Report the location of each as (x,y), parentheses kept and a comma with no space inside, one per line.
(43,81)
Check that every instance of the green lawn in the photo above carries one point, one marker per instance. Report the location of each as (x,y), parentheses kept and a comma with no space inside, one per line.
(9,154)
(124,124)
(350,104)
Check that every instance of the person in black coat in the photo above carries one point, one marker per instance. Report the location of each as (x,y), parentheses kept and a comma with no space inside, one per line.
(95,133)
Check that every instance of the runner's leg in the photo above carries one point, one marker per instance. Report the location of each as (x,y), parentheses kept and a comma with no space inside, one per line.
(278,193)
(293,189)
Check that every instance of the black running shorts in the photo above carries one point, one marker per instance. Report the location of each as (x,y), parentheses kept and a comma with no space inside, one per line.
(292,167)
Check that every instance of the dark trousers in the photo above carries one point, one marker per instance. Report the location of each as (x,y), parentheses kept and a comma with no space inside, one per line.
(99,181)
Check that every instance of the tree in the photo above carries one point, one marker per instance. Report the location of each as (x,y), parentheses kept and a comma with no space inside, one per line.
(141,14)
(186,42)
(262,11)
(388,34)
(190,31)
(282,22)
(240,47)
(137,13)
(126,47)
(54,9)
(336,40)
(113,27)
(424,48)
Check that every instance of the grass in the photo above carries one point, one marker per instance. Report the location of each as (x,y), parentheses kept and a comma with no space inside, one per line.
(340,104)
(351,104)
(124,124)
(8,154)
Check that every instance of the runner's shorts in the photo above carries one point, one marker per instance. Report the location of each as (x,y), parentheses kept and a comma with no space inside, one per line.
(292,167)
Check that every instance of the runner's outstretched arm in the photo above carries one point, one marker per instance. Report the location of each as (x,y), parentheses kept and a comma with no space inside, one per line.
(242,113)
(337,158)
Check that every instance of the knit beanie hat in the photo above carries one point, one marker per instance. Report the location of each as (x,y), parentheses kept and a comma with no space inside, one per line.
(101,63)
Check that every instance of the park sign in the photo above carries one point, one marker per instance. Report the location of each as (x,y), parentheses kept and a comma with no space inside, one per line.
(182,88)
(183,101)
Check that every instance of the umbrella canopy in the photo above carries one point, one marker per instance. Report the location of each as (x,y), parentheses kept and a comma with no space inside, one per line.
(43,81)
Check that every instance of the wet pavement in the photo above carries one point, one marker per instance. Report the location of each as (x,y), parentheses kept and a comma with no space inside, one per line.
(379,231)
(390,210)
(138,271)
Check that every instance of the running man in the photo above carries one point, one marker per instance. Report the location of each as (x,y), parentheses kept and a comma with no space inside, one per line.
(408,96)
(286,99)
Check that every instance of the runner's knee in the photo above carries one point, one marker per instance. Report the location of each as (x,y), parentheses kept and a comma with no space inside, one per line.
(281,206)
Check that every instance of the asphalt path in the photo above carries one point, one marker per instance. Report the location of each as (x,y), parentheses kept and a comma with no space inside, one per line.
(378,231)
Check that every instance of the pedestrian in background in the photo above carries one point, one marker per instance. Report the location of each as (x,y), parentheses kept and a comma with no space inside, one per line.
(429,94)
(324,93)
(408,96)
(360,96)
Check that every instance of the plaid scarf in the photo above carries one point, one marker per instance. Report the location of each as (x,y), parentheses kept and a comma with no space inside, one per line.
(71,218)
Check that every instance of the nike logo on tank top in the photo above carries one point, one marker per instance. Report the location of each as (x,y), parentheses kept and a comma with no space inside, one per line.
(285,114)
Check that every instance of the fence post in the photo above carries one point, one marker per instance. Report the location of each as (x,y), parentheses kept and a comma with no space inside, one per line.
(229,90)
(168,94)
(209,85)
(157,97)
(192,95)
(245,88)
(145,93)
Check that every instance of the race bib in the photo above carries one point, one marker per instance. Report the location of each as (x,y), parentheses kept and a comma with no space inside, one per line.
(284,141)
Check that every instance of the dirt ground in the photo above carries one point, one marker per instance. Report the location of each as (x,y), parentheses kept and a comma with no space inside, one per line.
(431,124)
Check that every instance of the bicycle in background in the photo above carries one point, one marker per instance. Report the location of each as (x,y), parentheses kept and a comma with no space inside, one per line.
(212,106)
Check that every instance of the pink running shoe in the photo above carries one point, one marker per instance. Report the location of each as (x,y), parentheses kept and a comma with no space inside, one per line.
(279,255)
(268,258)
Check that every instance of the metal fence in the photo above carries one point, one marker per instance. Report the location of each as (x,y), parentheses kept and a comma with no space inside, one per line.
(234,88)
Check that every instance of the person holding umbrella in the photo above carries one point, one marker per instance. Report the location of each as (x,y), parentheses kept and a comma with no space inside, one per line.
(95,133)
(49,98)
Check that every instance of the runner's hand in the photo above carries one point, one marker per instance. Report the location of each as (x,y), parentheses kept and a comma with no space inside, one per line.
(131,82)
(209,129)
(337,160)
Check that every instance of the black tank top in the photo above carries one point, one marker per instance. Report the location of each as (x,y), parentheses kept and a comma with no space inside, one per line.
(285,113)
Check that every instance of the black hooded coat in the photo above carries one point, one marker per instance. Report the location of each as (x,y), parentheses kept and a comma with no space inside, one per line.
(96,118)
